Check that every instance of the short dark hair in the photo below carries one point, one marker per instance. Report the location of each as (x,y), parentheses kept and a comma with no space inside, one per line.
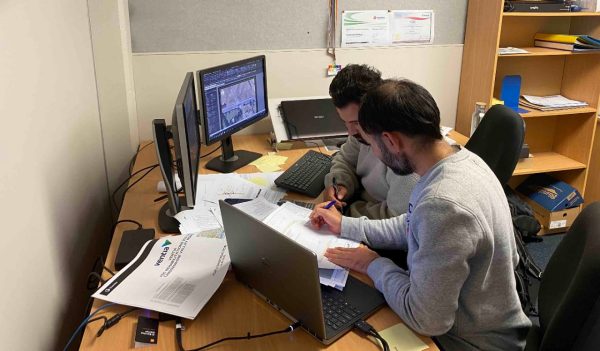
(351,84)
(403,106)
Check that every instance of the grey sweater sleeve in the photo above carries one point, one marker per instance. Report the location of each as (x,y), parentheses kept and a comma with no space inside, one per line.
(379,233)
(343,167)
(426,298)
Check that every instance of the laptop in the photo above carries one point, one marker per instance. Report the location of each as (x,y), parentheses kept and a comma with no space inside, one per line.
(285,274)
(312,119)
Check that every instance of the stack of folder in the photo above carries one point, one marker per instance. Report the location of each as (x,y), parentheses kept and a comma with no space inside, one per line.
(550,103)
(575,43)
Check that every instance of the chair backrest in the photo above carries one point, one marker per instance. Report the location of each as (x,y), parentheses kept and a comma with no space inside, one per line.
(569,293)
(498,140)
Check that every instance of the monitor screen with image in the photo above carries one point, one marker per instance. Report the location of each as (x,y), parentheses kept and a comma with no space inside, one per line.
(232,96)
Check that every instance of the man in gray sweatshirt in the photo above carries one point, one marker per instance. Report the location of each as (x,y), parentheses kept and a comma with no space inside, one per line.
(459,285)
(377,192)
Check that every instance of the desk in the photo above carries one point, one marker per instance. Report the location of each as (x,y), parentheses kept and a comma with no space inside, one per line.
(233,310)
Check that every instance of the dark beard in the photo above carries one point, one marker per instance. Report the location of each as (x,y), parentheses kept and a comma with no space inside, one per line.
(400,164)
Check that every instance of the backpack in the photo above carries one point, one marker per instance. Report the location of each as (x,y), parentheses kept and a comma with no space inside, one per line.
(525,226)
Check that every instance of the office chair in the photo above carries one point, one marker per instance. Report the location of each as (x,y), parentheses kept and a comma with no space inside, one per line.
(498,140)
(569,296)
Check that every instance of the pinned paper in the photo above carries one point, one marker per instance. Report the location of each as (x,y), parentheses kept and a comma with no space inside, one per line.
(270,162)
(400,338)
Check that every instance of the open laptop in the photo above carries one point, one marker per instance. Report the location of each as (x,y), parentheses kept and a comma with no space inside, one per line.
(312,119)
(286,275)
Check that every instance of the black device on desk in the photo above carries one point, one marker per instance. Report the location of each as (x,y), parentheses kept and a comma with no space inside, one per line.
(307,175)
(312,119)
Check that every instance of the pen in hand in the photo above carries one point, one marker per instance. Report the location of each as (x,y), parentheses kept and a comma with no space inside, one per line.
(331,203)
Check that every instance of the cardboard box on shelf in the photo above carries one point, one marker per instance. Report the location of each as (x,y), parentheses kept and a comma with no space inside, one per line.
(553,221)
(555,203)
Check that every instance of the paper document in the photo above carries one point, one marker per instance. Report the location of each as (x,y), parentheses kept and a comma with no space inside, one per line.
(365,28)
(293,221)
(258,208)
(549,103)
(175,275)
(200,219)
(214,187)
(412,27)
(400,338)
(511,51)
(270,162)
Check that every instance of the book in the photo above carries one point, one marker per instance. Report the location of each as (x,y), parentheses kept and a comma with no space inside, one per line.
(568,39)
(577,46)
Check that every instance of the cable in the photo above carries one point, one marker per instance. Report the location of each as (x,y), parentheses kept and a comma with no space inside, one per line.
(210,153)
(179,328)
(127,180)
(84,323)
(312,142)
(110,322)
(369,330)
(125,221)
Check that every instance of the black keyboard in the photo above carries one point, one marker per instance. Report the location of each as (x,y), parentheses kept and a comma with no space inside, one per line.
(337,311)
(307,175)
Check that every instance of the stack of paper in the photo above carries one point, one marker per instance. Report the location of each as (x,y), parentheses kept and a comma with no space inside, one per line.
(293,221)
(205,217)
(568,42)
(549,103)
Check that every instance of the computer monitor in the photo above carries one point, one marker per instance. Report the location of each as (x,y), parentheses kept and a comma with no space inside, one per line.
(186,138)
(166,220)
(232,96)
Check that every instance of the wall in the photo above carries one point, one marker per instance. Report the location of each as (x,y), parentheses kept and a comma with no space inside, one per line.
(294,73)
(54,209)
(172,38)
(109,66)
(208,25)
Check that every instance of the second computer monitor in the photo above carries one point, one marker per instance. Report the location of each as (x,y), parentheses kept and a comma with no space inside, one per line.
(186,137)
(232,96)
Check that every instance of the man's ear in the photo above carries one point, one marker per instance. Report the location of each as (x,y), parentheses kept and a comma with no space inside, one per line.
(392,141)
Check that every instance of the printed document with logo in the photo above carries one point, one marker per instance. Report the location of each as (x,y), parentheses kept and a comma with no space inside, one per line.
(174,275)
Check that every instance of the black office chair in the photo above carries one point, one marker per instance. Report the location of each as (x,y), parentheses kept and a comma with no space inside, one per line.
(569,296)
(498,140)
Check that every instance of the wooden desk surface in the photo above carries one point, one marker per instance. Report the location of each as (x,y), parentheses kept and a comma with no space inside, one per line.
(233,310)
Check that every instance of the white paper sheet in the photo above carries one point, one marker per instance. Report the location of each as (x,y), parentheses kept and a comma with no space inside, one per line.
(175,275)
(412,26)
(292,221)
(258,208)
(365,28)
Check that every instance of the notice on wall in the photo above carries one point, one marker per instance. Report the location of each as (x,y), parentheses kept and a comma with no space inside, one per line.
(411,27)
(387,28)
(365,28)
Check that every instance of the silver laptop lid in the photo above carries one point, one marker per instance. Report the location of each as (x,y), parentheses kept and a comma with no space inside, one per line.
(282,271)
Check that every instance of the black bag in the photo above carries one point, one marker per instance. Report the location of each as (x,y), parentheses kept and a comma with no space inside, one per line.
(526,226)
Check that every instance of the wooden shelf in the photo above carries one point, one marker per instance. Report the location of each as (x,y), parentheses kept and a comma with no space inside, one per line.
(538,51)
(542,162)
(551,14)
(572,111)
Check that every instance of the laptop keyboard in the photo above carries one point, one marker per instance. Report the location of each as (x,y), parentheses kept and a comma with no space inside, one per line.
(337,311)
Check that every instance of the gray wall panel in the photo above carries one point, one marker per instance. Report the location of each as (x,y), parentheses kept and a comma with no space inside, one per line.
(214,25)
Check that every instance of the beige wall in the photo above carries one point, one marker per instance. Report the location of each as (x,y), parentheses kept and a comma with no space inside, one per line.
(112,92)
(294,73)
(53,185)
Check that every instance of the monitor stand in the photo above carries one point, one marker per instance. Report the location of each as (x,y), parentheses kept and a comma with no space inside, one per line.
(166,220)
(229,160)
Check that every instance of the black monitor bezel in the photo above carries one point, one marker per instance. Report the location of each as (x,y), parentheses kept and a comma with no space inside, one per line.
(199,80)
(181,140)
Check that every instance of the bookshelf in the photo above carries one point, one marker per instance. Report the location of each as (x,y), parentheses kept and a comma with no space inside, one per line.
(560,141)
